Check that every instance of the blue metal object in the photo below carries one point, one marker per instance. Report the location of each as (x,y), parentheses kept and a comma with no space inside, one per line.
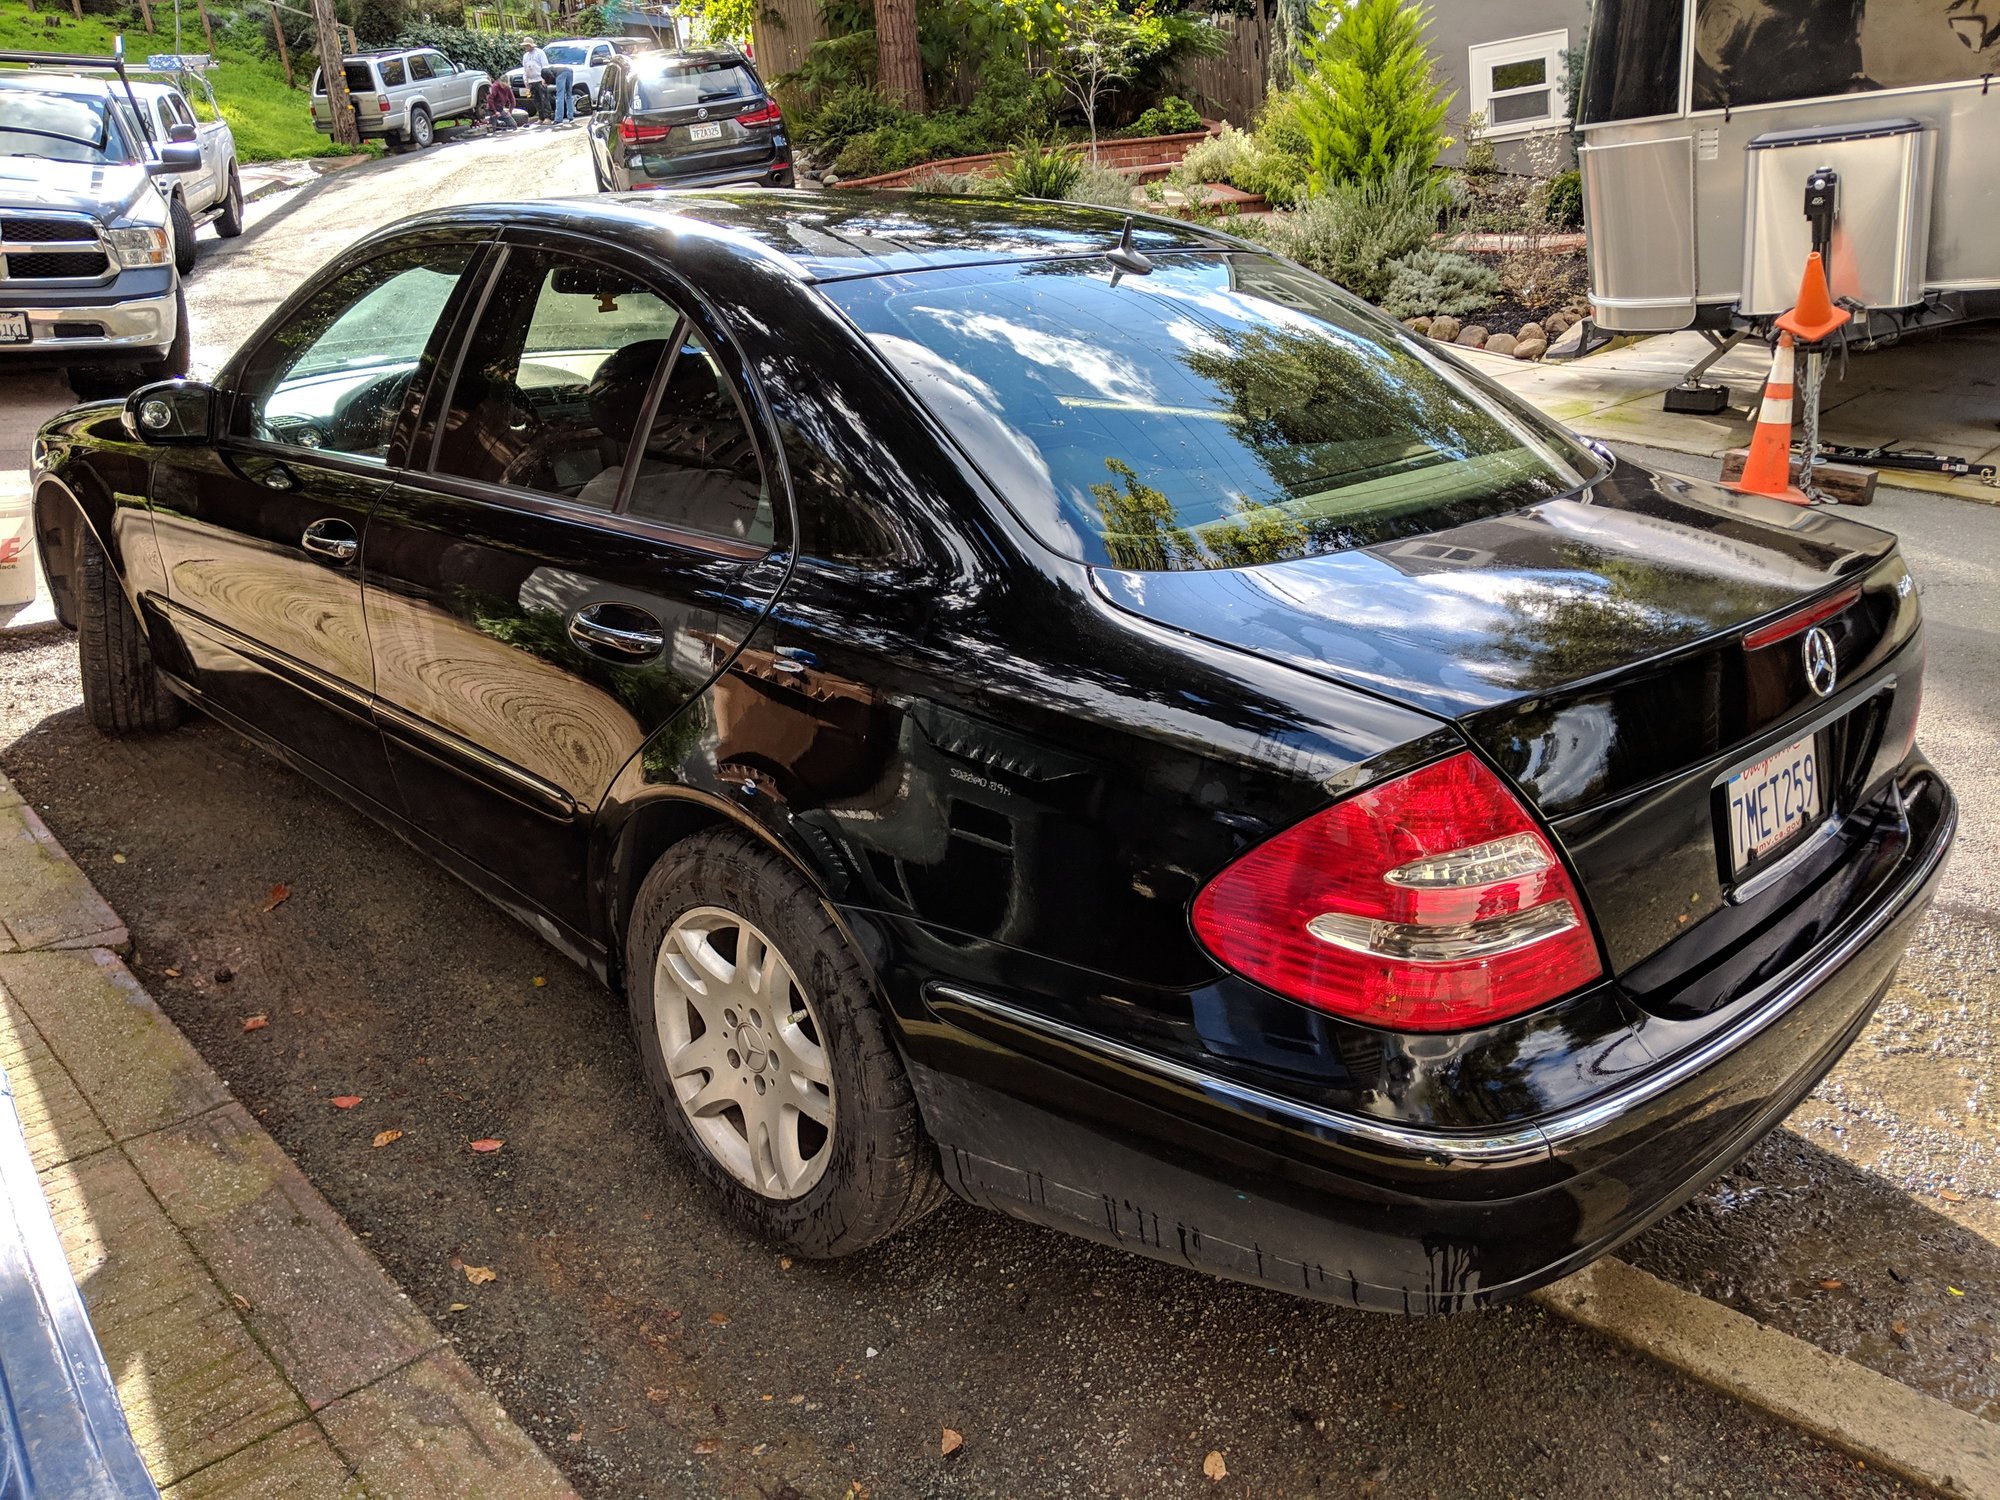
(62,1432)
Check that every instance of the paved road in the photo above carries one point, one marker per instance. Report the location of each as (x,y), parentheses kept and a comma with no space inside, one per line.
(654,1352)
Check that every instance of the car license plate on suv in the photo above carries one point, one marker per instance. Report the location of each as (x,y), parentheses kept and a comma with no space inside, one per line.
(709,132)
(1771,801)
(14,328)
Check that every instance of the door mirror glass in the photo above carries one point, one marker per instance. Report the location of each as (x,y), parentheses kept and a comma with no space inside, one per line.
(176,157)
(170,412)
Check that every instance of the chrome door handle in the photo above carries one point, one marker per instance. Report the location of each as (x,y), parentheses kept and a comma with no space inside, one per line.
(614,641)
(332,539)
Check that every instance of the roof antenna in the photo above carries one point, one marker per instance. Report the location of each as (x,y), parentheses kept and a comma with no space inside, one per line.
(1125,258)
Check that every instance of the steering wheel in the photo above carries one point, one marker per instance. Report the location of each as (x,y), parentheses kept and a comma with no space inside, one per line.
(366,420)
(540,440)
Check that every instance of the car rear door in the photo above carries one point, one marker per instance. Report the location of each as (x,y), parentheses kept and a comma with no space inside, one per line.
(260,532)
(596,534)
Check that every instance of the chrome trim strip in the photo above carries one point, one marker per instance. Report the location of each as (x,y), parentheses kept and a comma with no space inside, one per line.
(1544,1138)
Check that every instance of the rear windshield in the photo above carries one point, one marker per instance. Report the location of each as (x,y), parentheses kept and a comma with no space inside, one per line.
(360,79)
(1221,411)
(675,85)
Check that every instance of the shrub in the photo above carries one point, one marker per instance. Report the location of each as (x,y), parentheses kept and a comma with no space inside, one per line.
(1438,281)
(1563,205)
(1280,176)
(1173,115)
(1035,170)
(1351,232)
(1217,159)
(1102,186)
(1367,101)
(936,182)
(847,113)
(489,51)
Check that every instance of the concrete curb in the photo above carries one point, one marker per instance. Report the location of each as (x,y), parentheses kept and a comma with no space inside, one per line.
(259,1346)
(1877,1419)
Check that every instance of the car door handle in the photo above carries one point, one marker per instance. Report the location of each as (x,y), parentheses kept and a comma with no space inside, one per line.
(638,640)
(332,539)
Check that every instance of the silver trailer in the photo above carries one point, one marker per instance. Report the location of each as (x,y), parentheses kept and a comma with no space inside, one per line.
(1702,121)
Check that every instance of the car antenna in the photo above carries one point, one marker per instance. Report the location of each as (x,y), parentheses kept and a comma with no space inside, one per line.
(1125,257)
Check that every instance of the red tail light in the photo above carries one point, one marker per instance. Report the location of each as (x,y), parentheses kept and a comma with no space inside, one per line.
(766,113)
(1428,903)
(632,130)
(383,105)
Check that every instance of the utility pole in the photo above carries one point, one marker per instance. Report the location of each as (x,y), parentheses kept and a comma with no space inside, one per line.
(331,70)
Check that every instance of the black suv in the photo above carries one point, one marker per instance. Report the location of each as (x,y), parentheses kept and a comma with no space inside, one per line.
(687,119)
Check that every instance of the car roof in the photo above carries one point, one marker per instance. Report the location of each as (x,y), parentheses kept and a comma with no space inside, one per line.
(837,235)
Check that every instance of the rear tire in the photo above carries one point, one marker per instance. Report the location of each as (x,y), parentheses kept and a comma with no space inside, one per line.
(421,133)
(122,690)
(229,223)
(837,1187)
(183,228)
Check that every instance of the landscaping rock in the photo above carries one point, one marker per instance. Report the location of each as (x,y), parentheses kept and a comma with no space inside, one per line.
(1530,331)
(1417,325)
(1444,329)
(1530,348)
(1558,325)
(829,181)
(1500,343)
(1472,336)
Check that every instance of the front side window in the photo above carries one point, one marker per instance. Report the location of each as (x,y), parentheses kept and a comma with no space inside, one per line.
(1518,85)
(420,68)
(336,375)
(679,85)
(1223,410)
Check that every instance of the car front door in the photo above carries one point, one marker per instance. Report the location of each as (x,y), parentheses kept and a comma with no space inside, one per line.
(260,533)
(596,535)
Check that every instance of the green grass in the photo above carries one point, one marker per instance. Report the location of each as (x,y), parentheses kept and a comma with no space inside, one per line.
(270,122)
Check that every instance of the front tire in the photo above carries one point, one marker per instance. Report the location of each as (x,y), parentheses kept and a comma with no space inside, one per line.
(758,1028)
(183,228)
(123,692)
(175,358)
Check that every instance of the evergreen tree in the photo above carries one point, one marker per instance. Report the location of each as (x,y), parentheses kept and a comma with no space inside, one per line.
(1367,99)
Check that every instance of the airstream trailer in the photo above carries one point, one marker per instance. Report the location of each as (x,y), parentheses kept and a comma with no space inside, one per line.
(1702,120)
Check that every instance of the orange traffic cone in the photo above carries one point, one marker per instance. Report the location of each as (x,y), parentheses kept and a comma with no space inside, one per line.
(1813,316)
(1768,469)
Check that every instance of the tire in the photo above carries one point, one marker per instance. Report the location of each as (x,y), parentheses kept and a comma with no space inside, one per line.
(229,223)
(846,1185)
(95,383)
(123,692)
(393,139)
(174,359)
(421,131)
(183,227)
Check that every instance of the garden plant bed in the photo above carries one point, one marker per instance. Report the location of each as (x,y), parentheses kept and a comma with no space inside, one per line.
(1142,156)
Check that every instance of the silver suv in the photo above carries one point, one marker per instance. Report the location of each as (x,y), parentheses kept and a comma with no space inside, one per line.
(402,95)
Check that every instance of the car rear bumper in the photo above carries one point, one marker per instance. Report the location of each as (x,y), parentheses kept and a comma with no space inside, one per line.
(776,173)
(1070,1129)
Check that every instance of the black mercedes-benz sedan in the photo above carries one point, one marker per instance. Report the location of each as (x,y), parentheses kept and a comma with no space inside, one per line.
(1070,711)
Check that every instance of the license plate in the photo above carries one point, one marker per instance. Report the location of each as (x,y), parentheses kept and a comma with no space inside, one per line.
(711,132)
(1772,801)
(14,328)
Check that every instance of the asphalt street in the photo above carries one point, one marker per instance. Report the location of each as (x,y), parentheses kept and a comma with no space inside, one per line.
(653,1351)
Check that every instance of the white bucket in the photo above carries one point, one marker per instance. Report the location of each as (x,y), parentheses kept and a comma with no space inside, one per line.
(17,550)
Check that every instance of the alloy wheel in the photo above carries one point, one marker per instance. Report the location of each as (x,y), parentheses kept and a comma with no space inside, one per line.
(744,1051)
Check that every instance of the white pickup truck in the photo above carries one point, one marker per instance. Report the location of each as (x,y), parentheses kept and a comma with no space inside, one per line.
(213,194)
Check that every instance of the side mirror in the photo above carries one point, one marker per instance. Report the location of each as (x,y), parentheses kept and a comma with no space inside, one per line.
(175,157)
(180,131)
(170,412)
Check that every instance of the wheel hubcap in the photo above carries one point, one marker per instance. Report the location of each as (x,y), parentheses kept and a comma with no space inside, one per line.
(744,1052)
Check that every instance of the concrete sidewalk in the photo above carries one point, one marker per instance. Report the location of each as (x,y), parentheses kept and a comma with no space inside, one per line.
(258,1348)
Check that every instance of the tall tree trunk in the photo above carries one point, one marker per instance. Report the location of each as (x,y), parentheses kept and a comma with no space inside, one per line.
(899,66)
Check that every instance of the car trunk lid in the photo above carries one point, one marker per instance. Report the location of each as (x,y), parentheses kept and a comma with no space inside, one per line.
(702,116)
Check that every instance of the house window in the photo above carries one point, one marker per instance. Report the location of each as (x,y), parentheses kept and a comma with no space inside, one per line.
(1518,84)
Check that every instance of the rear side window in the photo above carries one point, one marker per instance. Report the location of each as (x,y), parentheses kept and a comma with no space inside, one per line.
(680,85)
(393,76)
(1222,411)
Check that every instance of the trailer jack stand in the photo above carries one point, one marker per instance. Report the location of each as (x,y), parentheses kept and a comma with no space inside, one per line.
(1692,398)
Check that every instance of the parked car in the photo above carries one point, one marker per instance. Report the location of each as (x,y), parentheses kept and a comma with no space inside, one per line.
(1059,706)
(212,195)
(401,96)
(87,276)
(586,57)
(687,119)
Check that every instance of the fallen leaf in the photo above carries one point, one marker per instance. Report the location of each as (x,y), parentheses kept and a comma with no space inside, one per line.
(118,859)
(577,1436)
(460,1306)
(795,1401)
(706,1446)
(480,1275)
(256,1023)
(1831,1284)
(952,1441)
(1954,1291)
(488,1144)
(280,894)
(383,1137)
(538,981)
(173,973)
(784,1263)
(1951,1195)
(240,1300)
(719,1319)
(456,1264)
(655,1394)
(1214,1467)
(346,1101)
(1899,1328)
